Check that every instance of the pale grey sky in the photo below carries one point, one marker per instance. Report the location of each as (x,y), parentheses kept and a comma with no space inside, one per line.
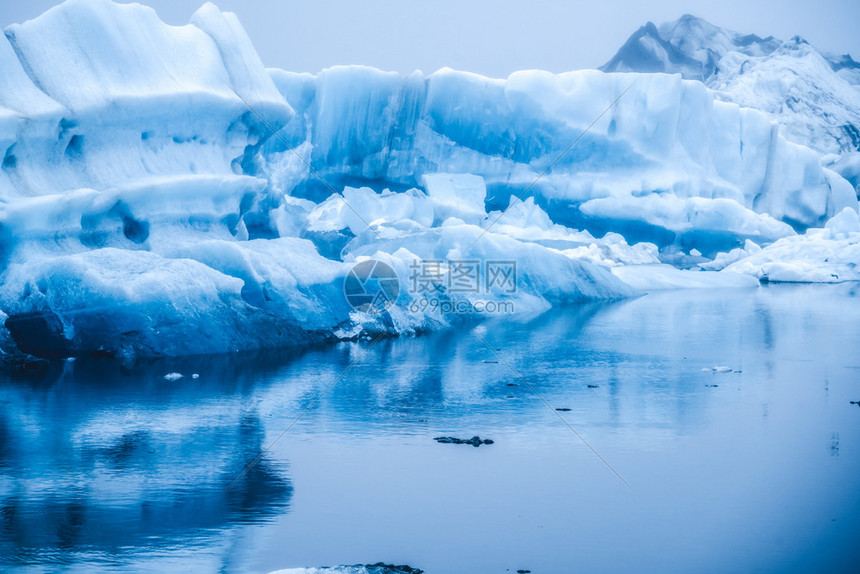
(489,37)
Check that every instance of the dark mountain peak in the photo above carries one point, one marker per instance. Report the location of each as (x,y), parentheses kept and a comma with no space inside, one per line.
(845,61)
(690,45)
(646,51)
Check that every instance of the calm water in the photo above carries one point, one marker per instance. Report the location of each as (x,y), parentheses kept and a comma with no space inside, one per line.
(117,469)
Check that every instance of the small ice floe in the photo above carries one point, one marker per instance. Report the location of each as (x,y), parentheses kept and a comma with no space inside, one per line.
(718,369)
(173,376)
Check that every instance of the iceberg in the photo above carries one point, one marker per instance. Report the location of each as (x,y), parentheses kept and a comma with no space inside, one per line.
(828,255)
(163,193)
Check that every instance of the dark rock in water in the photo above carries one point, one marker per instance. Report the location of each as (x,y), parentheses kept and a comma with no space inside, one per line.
(447,440)
(474,441)
(382,568)
(593,386)
(563,409)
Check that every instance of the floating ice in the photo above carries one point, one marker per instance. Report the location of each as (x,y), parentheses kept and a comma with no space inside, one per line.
(655,277)
(147,209)
(666,138)
(829,255)
(456,195)
(718,369)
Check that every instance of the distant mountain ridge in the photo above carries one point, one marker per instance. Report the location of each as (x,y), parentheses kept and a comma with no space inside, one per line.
(690,46)
(693,47)
(814,96)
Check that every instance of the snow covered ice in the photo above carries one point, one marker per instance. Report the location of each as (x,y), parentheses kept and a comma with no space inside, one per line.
(147,207)
(828,255)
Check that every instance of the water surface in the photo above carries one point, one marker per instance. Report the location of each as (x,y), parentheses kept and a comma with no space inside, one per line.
(113,468)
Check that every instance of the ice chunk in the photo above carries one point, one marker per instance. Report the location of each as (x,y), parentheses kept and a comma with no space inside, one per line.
(844,223)
(718,369)
(708,223)
(520,216)
(101,94)
(828,255)
(358,209)
(240,60)
(655,277)
(614,253)
(285,277)
(722,260)
(846,165)
(543,275)
(456,195)
(134,303)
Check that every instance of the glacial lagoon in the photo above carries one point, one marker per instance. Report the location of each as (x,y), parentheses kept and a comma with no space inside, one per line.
(726,414)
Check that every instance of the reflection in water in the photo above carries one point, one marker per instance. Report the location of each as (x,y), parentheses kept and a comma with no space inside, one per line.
(99,459)
(110,464)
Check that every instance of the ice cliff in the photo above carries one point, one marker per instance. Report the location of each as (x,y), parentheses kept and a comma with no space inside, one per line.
(162,193)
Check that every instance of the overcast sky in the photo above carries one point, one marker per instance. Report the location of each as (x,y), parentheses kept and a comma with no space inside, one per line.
(489,37)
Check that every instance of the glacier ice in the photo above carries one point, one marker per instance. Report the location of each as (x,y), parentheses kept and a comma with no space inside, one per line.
(828,255)
(651,277)
(162,193)
(456,195)
(665,136)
